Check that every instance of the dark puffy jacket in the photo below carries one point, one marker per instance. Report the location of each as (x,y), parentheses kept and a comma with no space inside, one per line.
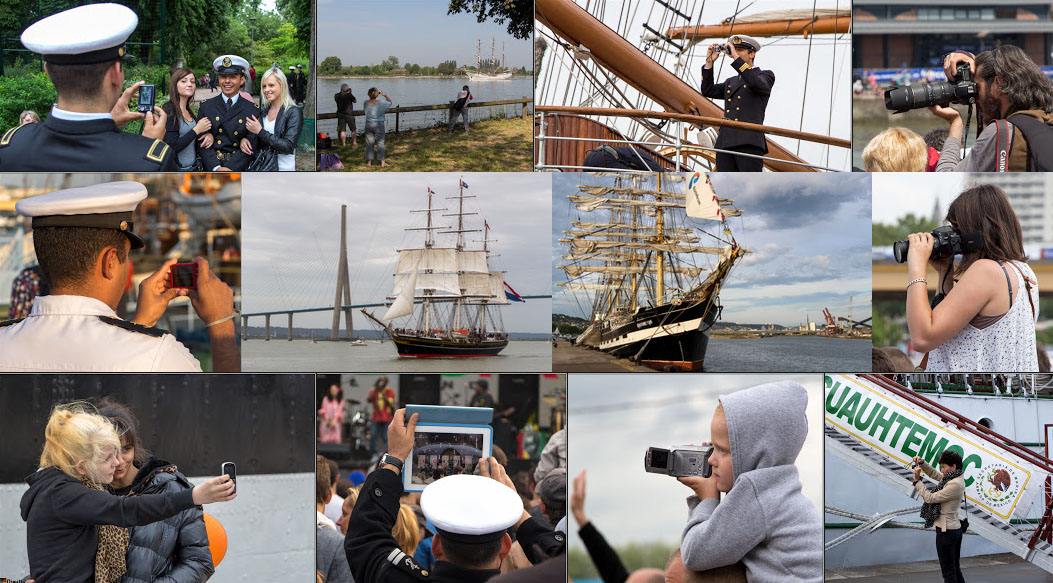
(172,550)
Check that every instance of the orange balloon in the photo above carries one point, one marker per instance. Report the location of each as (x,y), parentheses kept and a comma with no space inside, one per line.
(217,539)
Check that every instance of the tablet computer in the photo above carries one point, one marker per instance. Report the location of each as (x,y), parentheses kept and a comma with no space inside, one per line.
(445,450)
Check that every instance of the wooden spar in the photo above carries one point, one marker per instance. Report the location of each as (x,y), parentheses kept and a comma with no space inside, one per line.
(713,121)
(617,55)
(840,24)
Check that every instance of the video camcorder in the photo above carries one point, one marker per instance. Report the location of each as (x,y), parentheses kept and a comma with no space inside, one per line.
(679,460)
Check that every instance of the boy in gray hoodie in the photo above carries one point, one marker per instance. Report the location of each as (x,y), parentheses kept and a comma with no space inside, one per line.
(763,520)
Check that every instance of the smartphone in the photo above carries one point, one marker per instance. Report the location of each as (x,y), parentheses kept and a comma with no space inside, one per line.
(183,276)
(231,470)
(146,98)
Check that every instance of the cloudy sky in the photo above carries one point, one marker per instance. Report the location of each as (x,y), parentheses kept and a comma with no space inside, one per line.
(897,194)
(810,237)
(813,77)
(415,31)
(630,505)
(291,236)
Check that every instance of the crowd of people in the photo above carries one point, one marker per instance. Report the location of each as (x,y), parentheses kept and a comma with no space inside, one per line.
(81,133)
(507,532)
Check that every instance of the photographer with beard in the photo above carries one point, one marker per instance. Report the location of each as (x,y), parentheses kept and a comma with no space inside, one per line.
(1016,96)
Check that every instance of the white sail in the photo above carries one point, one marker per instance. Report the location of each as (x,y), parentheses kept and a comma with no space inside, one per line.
(403,304)
(472,261)
(497,288)
(434,259)
(475,284)
(702,200)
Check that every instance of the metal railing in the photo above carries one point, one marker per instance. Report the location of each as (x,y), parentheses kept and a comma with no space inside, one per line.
(397,111)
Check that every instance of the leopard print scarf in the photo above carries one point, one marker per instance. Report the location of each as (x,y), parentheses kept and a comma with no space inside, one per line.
(113,546)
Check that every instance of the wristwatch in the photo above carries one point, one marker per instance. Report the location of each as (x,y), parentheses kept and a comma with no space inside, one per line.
(391,461)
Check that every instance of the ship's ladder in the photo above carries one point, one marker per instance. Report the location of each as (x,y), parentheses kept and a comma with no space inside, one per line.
(1023,540)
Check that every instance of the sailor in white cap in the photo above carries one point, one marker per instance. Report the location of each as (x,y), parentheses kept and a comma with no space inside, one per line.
(82,237)
(745,99)
(82,49)
(228,113)
(471,515)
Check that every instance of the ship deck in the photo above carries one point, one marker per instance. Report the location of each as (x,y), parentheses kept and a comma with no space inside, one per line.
(568,358)
(982,569)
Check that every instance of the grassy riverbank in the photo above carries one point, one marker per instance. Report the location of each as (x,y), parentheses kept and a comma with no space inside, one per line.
(499,145)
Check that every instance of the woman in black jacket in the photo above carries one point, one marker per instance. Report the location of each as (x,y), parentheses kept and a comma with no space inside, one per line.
(173,550)
(181,130)
(75,529)
(278,129)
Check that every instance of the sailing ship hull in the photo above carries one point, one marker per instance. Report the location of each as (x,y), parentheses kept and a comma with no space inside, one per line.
(488,76)
(666,337)
(414,346)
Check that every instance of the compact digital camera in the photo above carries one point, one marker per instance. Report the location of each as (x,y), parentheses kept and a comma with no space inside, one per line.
(679,460)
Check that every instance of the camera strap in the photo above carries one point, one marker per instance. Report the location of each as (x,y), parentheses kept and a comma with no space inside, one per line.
(1002,141)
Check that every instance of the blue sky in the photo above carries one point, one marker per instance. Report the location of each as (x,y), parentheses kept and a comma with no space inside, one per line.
(810,237)
(415,31)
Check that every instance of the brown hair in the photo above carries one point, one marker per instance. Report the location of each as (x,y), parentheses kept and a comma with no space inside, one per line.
(78,81)
(171,107)
(322,487)
(986,208)
(67,255)
(126,424)
(1023,82)
(373,95)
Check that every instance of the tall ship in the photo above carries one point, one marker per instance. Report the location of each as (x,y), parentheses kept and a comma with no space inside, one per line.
(492,72)
(446,297)
(651,255)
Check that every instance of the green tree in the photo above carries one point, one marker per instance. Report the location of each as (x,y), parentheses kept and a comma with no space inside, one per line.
(884,234)
(390,63)
(447,67)
(518,13)
(329,66)
(299,13)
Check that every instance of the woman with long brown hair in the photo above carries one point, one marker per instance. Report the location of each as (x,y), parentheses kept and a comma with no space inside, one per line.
(983,318)
(182,130)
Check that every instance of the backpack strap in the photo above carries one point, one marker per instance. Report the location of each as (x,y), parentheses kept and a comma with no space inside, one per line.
(1038,134)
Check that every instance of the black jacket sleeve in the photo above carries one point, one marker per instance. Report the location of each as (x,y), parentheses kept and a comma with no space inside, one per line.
(371,550)
(603,555)
(79,504)
(287,124)
(207,155)
(710,89)
(172,137)
(758,80)
(539,541)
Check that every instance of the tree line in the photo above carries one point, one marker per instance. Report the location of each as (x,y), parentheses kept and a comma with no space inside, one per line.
(332,66)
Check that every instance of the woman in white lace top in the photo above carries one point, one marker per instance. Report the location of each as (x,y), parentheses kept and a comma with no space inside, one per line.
(983,318)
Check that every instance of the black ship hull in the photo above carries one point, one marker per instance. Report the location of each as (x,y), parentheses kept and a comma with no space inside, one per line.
(669,337)
(418,347)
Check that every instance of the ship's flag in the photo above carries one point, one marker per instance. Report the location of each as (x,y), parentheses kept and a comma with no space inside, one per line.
(464,184)
(701,199)
(430,191)
(512,295)
(486,224)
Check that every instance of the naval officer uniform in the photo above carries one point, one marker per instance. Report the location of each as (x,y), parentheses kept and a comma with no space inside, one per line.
(74,141)
(745,99)
(77,333)
(463,508)
(228,116)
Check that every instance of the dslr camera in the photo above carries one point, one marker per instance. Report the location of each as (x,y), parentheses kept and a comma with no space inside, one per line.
(962,89)
(679,460)
(947,242)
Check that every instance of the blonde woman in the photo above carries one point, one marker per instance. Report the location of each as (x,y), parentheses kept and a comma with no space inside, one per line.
(896,150)
(279,127)
(76,530)
(405,531)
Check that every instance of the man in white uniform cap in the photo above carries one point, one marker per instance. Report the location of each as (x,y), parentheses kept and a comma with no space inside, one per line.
(471,515)
(82,237)
(228,113)
(745,99)
(82,49)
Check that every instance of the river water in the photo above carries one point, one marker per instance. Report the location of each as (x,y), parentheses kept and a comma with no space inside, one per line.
(407,91)
(306,356)
(788,354)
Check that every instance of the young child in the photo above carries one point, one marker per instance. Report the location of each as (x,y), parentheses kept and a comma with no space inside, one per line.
(763,520)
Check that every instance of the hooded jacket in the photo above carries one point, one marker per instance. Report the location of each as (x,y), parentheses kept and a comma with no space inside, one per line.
(173,550)
(62,515)
(764,520)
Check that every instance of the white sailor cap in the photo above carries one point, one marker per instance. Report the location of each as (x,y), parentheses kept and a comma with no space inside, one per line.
(103,206)
(230,65)
(292,68)
(93,33)
(472,509)
(741,40)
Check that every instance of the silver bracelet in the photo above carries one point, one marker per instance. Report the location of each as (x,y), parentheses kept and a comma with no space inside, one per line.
(914,281)
(232,315)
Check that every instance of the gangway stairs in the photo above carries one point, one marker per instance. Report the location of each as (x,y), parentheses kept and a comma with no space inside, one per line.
(1031,545)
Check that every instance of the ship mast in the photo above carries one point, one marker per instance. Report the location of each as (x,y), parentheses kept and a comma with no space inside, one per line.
(660,239)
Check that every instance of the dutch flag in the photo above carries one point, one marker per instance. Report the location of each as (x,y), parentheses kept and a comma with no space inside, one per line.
(512,295)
